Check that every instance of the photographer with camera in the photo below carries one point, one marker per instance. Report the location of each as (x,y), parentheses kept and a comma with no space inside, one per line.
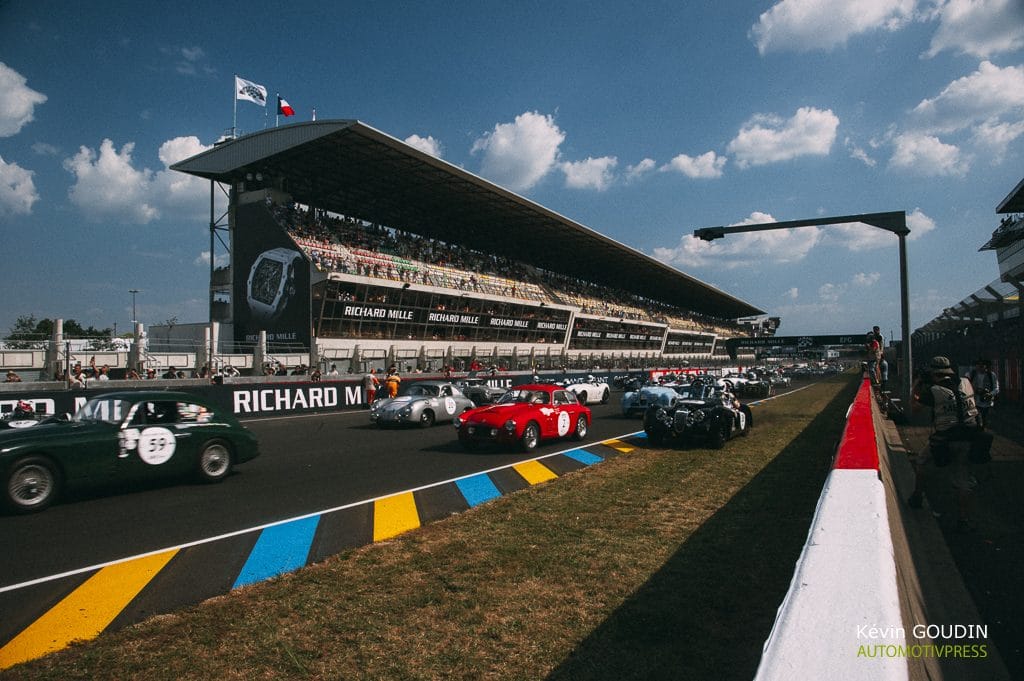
(986,387)
(956,441)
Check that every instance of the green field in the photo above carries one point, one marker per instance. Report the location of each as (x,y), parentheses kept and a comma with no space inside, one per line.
(654,564)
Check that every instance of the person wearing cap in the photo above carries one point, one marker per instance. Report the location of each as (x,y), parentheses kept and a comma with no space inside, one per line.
(955,422)
(986,387)
(12,377)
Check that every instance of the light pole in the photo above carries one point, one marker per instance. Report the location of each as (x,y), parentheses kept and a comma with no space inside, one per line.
(135,320)
(895,222)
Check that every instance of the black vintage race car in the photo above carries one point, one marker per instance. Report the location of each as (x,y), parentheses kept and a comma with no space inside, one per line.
(118,438)
(703,413)
(476,388)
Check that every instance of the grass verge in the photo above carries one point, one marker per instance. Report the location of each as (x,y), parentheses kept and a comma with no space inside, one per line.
(655,564)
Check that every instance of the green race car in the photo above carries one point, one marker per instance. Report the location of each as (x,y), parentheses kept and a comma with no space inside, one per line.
(121,437)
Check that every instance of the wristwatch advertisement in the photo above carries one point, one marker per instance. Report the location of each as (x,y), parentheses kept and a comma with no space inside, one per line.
(271,283)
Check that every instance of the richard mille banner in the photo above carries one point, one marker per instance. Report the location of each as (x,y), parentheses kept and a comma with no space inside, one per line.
(446,318)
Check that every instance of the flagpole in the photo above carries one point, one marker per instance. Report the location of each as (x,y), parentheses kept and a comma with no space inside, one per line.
(277,111)
(234,121)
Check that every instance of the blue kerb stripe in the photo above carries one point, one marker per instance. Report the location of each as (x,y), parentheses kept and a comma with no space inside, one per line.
(280,549)
(477,489)
(584,457)
(640,436)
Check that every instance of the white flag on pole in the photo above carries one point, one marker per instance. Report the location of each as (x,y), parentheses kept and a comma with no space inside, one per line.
(250,91)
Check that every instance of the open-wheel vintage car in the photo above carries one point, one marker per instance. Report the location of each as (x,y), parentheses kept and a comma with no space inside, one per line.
(121,437)
(525,415)
(703,413)
(423,403)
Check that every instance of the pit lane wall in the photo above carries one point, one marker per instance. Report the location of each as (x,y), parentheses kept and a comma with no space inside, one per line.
(843,600)
(257,397)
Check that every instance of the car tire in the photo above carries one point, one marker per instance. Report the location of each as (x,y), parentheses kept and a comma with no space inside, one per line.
(749,423)
(215,461)
(531,436)
(426,419)
(604,397)
(654,438)
(582,397)
(32,484)
(719,436)
(580,431)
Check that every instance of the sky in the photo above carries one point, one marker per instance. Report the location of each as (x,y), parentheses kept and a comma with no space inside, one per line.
(643,121)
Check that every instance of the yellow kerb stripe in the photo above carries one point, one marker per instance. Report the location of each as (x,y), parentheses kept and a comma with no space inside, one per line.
(619,445)
(394,515)
(534,472)
(86,611)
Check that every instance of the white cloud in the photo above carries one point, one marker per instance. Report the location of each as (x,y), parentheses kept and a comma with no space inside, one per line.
(640,169)
(981,28)
(108,186)
(592,173)
(987,95)
(519,154)
(17,189)
(866,278)
(707,165)
(204,259)
(792,293)
(994,138)
(859,153)
(831,293)
(805,25)
(919,224)
(768,139)
(773,247)
(18,103)
(428,145)
(927,155)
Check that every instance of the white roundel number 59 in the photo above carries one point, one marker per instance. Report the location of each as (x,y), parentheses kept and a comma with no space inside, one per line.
(449,405)
(156,445)
(563,423)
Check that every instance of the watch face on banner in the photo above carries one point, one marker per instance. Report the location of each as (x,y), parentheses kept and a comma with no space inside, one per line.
(271,284)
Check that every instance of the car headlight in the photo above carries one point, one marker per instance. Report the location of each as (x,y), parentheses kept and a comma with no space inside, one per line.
(510,425)
(405,411)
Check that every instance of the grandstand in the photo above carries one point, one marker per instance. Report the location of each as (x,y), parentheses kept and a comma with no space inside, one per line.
(348,241)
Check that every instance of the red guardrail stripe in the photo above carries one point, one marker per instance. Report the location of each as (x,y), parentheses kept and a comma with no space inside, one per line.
(858,448)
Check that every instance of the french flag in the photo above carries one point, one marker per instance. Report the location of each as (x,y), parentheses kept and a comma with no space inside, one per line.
(284,108)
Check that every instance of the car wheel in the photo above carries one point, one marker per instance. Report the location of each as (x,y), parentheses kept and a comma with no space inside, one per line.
(719,436)
(531,436)
(655,438)
(604,397)
(215,461)
(32,485)
(581,428)
(748,423)
(582,397)
(426,418)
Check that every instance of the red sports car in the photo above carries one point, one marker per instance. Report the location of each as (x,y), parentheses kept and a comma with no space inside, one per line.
(525,414)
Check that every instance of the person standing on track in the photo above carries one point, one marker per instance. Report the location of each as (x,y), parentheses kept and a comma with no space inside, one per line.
(392,382)
(370,384)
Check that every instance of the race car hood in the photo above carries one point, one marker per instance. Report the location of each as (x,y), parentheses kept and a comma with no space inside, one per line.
(14,437)
(400,402)
(498,414)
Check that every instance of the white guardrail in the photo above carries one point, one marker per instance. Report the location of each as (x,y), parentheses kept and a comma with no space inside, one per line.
(843,600)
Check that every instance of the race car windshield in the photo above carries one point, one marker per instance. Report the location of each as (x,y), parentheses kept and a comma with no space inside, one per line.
(423,391)
(103,410)
(523,397)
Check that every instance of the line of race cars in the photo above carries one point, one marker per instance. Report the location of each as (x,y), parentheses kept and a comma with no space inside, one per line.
(131,436)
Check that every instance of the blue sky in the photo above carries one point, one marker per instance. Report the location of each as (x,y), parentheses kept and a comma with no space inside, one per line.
(641,121)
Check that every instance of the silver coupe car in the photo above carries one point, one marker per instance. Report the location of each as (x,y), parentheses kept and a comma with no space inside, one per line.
(423,403)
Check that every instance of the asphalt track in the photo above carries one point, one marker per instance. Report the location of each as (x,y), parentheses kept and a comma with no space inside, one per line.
(339,482)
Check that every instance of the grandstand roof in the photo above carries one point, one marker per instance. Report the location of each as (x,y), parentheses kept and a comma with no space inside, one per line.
(1014,201)
(348,167)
